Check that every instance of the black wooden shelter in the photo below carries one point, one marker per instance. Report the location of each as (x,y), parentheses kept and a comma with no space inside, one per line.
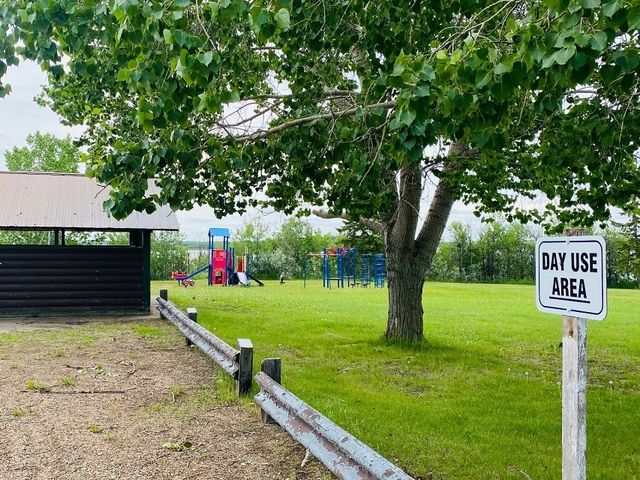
(65,278)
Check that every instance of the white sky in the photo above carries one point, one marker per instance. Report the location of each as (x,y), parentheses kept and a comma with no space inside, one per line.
(20,116)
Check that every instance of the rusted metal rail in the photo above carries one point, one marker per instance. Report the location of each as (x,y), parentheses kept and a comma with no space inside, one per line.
(343,454)
(225,356)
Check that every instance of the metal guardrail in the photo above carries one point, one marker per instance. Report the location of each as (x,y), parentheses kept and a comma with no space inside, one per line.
(343,454)
(223,354)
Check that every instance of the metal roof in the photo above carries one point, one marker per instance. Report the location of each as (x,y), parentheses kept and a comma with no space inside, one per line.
(30,200)
(219,232)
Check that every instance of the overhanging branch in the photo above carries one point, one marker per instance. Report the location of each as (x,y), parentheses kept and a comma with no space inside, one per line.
(374,225)
(260,134)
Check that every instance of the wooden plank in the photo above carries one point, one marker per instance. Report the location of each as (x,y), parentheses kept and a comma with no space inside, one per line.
(27,295)
(70,262)
(69,286)
(87,253)
(46,279)
(73,302)
(69,271)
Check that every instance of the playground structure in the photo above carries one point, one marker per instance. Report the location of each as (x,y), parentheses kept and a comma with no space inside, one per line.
(224,268)
(340,264)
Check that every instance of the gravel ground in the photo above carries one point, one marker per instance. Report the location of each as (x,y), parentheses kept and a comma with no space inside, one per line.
(130,401)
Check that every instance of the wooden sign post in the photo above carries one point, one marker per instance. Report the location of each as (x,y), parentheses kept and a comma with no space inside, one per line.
(571,276)
(574,398)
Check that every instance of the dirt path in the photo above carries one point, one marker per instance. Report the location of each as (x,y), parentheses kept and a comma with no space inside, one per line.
(164,413)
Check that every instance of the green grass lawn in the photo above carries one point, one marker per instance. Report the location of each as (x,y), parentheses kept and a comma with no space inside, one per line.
(479,400)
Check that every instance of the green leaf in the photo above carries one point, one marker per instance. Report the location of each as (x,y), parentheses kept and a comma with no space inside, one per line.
(124,74)
(282,18)
(168,36)
(564,55)
(427,73)
(634,18)
(573,8)
(599,41)
(611,8)
(502,68)
(407,116)
(121,30)
(549,60)
(422,91)
(588,4)
(582,40)
(483,81)
(395,123)
(398,68)
(205,58)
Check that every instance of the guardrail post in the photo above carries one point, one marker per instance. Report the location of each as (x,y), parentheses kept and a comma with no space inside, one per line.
(245,362)
(272,367)
(164,294)
(192,313)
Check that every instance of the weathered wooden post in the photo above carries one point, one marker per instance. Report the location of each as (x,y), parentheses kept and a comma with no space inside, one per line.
(574,398)
(192,313)
(272,367)
(245,362)
(574,393)
(164,295)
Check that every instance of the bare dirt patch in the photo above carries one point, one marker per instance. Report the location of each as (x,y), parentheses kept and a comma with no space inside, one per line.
(130,400)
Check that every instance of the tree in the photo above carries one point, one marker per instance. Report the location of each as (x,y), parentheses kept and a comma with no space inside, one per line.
(296,239)
(168,254)
(252,234)
(355,106)
(362,238)
(44,153)
(623,250)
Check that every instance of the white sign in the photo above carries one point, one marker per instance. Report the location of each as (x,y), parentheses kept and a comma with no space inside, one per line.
(571,276)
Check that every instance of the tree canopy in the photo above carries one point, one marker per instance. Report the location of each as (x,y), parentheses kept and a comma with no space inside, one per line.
(44,153)
(358,106)
(361,86)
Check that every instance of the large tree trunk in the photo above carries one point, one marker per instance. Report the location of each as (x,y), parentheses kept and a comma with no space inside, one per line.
(405,277)
(409,257)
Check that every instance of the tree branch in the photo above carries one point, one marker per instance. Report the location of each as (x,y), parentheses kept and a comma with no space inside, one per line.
(374,225)
(253,117)
(406,210)
(431,232)
(310,118)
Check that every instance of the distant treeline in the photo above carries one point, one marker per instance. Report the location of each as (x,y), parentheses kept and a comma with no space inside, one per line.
(505,253)
(499,253)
